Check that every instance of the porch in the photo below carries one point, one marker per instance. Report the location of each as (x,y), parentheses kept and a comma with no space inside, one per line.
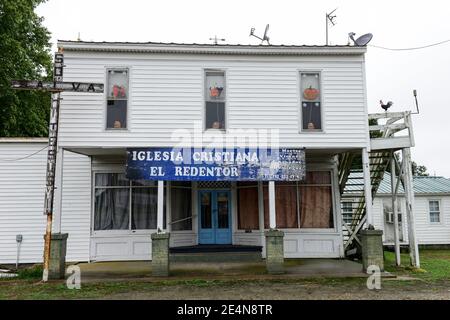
(294,268)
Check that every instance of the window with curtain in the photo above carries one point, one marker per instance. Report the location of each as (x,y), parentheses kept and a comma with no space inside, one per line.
(215,100)
(121,204)
(311,104)
(117,99)
(307,204)
(181,206)
(248,206)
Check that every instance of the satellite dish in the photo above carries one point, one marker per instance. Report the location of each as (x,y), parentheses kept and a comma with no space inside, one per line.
(264,38)
(361,41)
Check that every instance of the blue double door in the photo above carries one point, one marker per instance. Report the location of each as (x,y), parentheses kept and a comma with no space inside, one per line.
(214,217)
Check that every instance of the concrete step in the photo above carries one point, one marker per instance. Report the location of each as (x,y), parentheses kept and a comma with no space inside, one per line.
(249,256)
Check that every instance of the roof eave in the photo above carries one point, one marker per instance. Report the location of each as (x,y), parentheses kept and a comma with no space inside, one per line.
(209,49)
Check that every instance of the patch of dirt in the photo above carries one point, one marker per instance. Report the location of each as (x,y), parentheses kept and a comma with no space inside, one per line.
(295,291)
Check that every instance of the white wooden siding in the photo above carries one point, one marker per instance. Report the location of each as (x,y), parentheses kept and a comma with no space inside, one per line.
(167,93)
(22,188)
(426,232)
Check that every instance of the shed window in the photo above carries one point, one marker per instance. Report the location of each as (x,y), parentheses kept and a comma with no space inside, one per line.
(215,100)
(117,99)
(347,211)
(435,212)
(311,101)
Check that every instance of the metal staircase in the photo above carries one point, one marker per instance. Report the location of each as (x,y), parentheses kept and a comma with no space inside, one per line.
(384,142)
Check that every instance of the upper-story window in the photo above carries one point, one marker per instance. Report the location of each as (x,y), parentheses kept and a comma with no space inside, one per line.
(117,99)
(215,100)
(435,211)
(311,101)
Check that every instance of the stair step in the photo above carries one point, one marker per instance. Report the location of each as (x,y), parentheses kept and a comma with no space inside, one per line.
(250,256)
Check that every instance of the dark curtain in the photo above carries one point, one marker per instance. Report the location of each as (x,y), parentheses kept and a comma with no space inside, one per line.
(111,209)
(248,209)
(181,206)
(144,208)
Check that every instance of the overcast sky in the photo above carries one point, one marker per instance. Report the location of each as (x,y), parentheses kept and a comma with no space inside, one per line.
(391,75)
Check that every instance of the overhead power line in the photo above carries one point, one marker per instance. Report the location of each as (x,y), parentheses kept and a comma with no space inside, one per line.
(414,48)
(26,157)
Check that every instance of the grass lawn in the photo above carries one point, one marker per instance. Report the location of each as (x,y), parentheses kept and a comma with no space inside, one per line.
(434,265)
(433,283)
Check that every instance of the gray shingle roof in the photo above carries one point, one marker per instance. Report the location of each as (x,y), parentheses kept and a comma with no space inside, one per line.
(422,185)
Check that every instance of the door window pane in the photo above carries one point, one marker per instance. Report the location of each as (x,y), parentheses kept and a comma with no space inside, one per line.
(222,210)
(206,210)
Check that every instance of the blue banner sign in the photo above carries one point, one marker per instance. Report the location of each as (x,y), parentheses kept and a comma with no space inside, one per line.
(203,164)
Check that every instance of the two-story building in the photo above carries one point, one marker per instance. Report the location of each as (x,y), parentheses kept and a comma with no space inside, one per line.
(219,102)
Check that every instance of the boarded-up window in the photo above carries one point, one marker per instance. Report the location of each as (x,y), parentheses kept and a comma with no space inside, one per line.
(248,208)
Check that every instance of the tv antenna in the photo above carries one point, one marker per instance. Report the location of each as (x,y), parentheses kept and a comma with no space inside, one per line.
(329,18)
(361,41)
(264,38)
(216,40)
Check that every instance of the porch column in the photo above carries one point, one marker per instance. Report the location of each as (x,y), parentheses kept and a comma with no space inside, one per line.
(409,195)
(367,188)
(371,239)
(274,238)
(160,207)
(58,242)
(394,210)
(261,216)
(160,239)
(272,207)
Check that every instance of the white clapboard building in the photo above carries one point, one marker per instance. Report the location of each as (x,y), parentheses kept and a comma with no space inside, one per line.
(118,179)
(432,203)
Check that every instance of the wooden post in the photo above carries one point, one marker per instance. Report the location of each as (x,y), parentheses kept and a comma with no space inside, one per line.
(160,207)
(394,210)
(409,195)
(50,180)
(261,214)
(367,187)
(272,207)
(168,206)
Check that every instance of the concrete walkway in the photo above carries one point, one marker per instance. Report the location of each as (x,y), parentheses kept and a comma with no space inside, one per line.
(297,268)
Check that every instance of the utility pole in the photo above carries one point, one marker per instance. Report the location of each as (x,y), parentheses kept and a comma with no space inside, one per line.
(55,87)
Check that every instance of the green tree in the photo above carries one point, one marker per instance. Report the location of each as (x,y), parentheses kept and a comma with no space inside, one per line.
(24,54)
(418,170)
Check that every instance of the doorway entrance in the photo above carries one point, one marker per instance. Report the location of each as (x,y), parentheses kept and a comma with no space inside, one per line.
(214,217)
